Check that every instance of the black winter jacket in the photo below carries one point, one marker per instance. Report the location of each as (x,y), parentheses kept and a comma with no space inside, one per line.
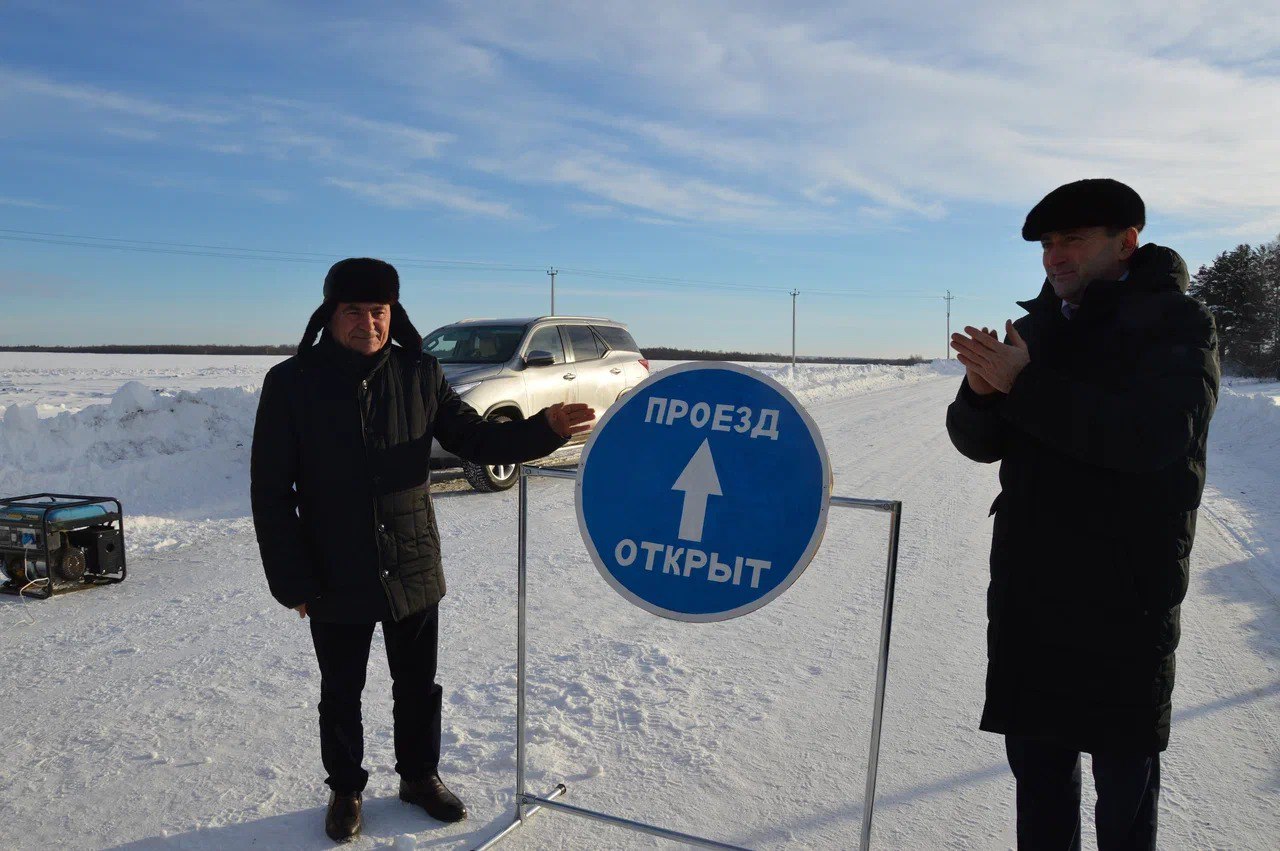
(1101,444)
(340,475)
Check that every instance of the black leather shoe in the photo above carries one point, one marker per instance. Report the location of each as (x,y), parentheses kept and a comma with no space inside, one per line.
(432,795)
(343,820)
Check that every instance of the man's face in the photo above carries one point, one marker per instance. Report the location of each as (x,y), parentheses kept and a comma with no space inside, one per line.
(362,326)
(1076,257)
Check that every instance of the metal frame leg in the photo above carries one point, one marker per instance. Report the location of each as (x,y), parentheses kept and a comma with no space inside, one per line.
(882,676)
(527,805)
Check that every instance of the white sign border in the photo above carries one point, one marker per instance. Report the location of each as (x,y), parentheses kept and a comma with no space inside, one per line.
(815,540)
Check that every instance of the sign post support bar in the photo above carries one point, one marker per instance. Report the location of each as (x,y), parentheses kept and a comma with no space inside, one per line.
(527,805)
(882,666)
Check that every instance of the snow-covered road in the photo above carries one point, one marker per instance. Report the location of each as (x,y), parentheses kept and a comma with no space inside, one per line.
(177,710)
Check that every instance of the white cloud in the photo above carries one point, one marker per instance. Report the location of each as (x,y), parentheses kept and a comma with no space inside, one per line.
(594,210)
(27,204)
(416,191)
(759,115)
(651,189)
(268,129)
(132,134)
(904,111)
(411,141)
(98,99)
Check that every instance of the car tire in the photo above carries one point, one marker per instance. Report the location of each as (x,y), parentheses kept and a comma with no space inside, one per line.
(491,478)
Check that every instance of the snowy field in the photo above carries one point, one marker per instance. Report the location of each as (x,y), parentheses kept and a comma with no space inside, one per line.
(177,709)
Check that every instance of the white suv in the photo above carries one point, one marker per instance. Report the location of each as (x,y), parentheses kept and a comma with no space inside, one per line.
(512,368)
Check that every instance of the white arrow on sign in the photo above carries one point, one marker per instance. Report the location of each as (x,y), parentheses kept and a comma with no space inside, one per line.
(698,481)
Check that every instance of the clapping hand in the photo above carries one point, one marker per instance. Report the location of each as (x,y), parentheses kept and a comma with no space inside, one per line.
(990,365)
(568,420)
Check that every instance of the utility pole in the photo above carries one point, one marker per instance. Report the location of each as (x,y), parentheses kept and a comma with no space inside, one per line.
(947,298)
(553,273)
(794,293)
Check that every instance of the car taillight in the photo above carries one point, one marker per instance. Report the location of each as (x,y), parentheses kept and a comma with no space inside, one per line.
(644,362)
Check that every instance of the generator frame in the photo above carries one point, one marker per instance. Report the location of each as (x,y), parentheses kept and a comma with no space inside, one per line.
(49,581)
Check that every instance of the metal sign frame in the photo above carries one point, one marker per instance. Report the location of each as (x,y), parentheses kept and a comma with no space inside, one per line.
(528,804)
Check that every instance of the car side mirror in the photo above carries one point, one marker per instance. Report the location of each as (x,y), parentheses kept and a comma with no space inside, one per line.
(539,358)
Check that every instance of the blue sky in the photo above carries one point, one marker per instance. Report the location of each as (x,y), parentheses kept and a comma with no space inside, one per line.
(706,156)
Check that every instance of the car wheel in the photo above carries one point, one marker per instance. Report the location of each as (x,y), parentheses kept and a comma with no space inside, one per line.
(489,478)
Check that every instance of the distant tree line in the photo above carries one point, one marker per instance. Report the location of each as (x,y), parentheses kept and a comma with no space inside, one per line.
(159,349)
(667,353)
(1242,290)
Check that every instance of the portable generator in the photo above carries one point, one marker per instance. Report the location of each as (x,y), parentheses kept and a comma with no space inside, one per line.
(60,542)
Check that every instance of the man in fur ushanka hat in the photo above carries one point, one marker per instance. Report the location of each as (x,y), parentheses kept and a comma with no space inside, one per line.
(342,508)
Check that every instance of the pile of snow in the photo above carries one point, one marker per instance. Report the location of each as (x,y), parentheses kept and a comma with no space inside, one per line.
(133,396)
(173,454)
(19,419)
(819,382)
(184,455)
(58,382)
(1253,387)
(1247,424)
(1243,489)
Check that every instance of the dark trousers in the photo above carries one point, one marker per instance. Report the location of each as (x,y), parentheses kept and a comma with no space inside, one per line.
(1048,779)
(342,650)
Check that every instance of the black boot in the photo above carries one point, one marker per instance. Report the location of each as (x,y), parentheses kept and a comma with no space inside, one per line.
(432,795)
(343,821)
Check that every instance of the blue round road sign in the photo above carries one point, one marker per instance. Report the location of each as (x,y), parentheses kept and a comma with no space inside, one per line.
(703,494)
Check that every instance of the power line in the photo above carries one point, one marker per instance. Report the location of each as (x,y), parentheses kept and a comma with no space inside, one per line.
(872,294)
(231,252)
(652,279)
(238,252)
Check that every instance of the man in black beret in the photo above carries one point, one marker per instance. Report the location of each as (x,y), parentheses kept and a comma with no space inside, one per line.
(1097,406)
(340,476)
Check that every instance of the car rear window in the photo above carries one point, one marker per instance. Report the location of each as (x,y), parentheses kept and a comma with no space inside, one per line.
(617,338)
(585,344)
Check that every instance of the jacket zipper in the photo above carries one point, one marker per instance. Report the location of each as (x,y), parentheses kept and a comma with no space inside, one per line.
(383,573)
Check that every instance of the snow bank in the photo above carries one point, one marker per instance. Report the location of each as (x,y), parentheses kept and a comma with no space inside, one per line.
(133,396)
(56,382)
(184,455)
(1247,426)
(173,454)
(816,382)
(820,382)
(1252,418)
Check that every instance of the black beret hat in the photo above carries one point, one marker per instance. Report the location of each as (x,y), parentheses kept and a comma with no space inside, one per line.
(362,279)
(1097,202)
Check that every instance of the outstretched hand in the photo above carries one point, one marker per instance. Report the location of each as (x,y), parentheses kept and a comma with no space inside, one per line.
(568,420)
(990,365)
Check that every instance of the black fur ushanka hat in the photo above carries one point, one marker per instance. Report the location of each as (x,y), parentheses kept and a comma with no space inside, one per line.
(362,279)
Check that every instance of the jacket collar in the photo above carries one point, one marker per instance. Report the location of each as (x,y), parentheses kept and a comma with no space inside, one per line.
(348,362)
